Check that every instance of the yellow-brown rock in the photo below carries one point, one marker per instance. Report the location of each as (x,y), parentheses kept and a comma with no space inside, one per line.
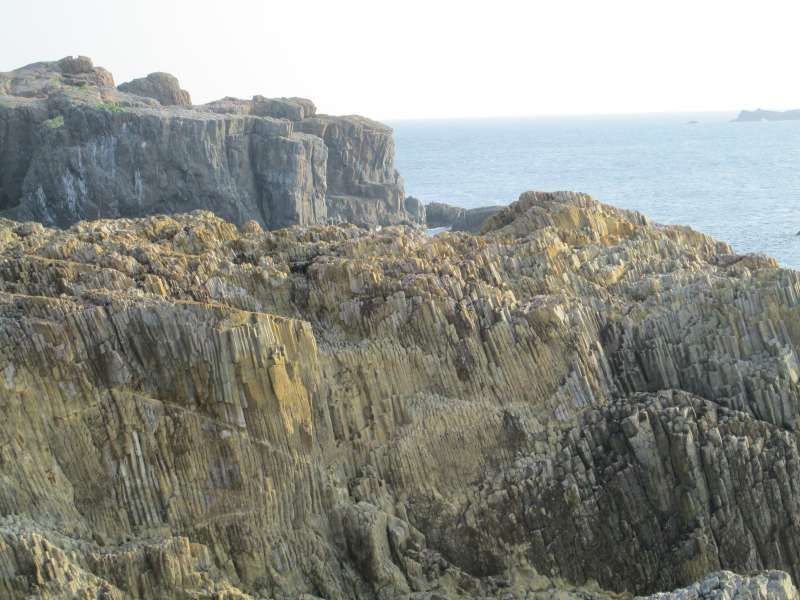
(574,401)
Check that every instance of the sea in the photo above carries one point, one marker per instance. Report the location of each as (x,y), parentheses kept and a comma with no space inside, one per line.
(739,182)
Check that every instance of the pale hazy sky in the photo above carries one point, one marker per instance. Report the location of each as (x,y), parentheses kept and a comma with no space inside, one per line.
(409,58)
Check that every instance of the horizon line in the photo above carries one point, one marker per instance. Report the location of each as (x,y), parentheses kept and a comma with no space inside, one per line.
(575,114)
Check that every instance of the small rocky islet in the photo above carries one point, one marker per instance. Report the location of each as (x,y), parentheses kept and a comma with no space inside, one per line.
(747,116)
(285,389)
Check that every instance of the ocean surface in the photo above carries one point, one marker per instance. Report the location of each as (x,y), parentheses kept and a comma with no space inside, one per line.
(739,182)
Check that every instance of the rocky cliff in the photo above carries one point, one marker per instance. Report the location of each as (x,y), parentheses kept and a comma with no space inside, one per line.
(73,147)
(575,404)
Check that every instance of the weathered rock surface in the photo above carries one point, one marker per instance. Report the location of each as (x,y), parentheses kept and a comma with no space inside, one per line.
(772,585)
(73,147)
(439,214)
(159,86)
(416,209)
(472,219)
(363,185)
(574,404)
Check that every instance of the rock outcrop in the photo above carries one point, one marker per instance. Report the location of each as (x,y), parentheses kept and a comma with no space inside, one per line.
(363,185)
(772,585)
(439,214)
(472,219)
(767,115)
(416,209)
(159,86)
(575,404)
(73,147)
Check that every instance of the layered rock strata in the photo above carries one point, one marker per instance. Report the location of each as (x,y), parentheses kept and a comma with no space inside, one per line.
(73,147)
(575,404)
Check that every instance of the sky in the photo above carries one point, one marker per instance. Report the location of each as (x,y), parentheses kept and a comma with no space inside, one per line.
(435,58)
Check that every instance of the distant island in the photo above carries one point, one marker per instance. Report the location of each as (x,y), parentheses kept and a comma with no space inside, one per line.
(767,115)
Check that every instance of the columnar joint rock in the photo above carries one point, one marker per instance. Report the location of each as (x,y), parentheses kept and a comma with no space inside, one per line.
(575,403)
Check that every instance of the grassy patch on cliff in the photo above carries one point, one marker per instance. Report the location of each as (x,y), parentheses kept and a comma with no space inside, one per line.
(55,122)
(110,106)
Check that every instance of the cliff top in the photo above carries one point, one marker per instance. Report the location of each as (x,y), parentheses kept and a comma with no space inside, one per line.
(76,146)
(77,80)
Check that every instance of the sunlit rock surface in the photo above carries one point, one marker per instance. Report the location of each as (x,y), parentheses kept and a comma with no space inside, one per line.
(575,404)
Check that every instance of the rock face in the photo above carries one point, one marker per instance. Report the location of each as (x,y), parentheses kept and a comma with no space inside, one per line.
(72,147)
(363,185)
(414,207)
(439,214)
(767,115)
(574,404)
(472,219)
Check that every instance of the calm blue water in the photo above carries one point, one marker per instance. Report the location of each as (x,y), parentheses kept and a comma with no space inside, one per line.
(739,182)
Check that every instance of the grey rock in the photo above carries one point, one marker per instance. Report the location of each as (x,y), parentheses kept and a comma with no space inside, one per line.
(159,86)
(294,109)
(363,186)
(415,208)
(229,105)
(472,219)
(439,214)
(74,147)
(770,585)
(138,161)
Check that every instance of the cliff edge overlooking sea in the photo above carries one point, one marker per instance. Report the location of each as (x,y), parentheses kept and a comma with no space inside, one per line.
(73,146)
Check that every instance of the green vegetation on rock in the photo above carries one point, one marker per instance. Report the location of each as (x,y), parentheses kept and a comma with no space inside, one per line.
(55,122)
(110,106)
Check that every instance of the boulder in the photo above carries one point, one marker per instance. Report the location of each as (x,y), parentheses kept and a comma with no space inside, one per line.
(439,214)
(472,219)
(294,109)
(415,208)
(159,86)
